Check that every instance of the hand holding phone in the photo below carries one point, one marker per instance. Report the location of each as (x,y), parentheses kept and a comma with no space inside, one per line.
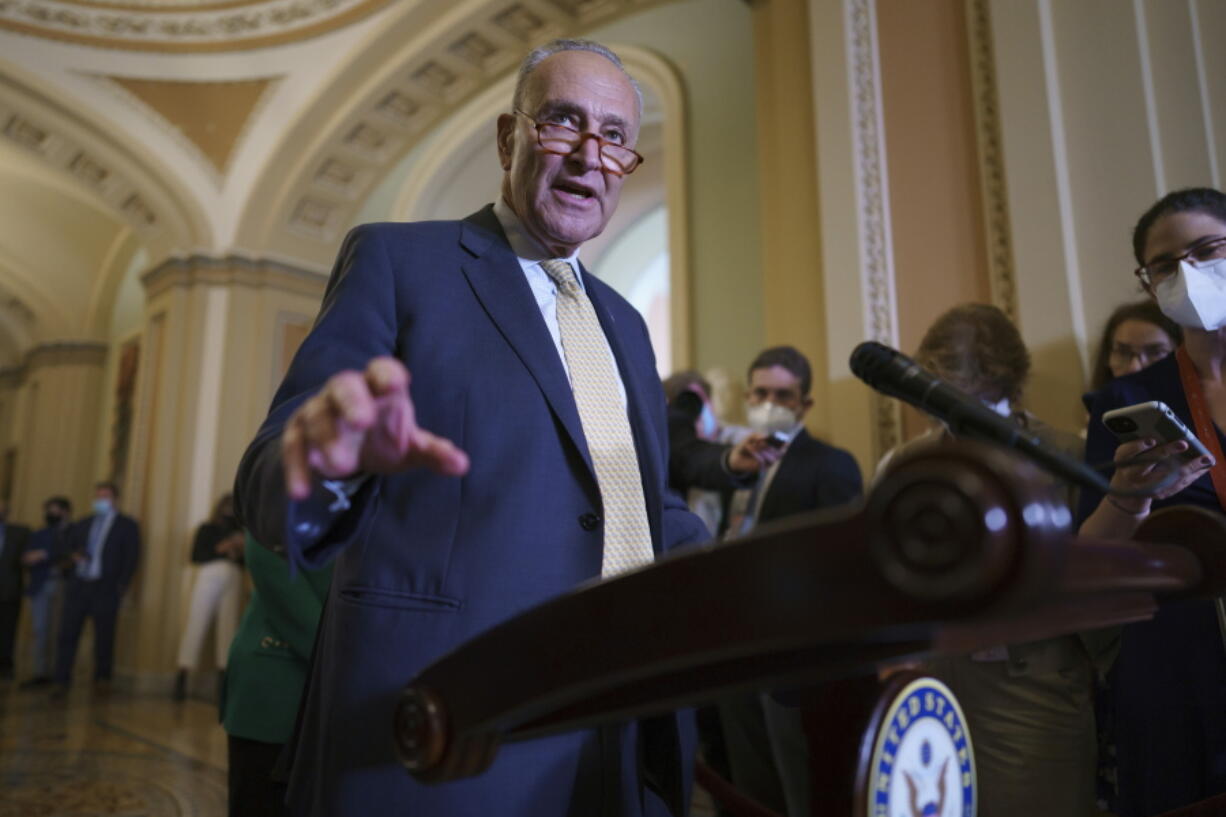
(1154,420)
(778,439)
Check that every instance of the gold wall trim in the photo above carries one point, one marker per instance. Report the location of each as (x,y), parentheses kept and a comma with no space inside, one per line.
(993,192)
(198,270)
(66,353)
(178,30)
(872,199)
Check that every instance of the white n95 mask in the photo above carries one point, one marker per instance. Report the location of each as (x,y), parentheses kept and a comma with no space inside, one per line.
(767,417)
(1196,297)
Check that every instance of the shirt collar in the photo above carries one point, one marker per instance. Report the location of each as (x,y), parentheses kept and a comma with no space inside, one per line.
(523,244)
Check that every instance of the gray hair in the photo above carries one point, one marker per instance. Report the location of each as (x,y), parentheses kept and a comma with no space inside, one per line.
(541,53)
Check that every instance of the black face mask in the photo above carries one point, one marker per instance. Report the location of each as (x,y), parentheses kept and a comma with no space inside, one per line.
(52,519)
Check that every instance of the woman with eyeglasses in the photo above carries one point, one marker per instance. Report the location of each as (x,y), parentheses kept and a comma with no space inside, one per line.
(1170,677)
(1135,336)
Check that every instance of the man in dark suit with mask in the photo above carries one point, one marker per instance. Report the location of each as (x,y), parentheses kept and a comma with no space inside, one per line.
(765,743)
(105,549)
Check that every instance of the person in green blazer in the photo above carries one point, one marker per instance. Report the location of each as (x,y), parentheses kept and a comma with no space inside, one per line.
(267,667)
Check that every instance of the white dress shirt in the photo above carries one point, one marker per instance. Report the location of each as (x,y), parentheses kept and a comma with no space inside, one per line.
(530,254)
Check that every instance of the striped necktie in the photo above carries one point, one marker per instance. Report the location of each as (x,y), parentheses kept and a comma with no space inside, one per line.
(593,379)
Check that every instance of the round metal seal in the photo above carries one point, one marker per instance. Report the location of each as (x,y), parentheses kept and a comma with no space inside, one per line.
(922,762)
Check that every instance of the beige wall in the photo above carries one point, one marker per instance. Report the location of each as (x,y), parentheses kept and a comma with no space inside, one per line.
(792,278)
(710,43)
(940,256)
(1104,106)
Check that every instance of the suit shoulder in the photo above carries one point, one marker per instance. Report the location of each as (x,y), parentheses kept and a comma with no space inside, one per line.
(831,456)
(407,229)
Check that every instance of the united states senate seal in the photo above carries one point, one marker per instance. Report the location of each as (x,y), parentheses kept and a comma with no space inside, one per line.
(923,764)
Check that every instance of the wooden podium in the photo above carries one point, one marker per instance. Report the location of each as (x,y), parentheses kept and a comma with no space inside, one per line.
(957,548)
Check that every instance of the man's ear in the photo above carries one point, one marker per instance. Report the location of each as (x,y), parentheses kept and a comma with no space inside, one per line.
(805,403)
(506,139)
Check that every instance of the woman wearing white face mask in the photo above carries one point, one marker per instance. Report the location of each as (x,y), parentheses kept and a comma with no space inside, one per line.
(1170,677)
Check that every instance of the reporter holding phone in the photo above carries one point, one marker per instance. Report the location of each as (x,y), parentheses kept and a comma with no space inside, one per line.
(1169,681)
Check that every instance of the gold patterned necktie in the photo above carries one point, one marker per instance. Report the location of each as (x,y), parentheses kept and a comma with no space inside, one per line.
(593,379)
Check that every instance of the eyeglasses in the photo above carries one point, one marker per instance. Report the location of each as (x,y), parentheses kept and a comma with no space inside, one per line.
(561,140)
(1156,272)
(1150,353)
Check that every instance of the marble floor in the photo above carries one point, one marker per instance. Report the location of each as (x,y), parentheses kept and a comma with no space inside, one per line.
(109,754)
(122,754)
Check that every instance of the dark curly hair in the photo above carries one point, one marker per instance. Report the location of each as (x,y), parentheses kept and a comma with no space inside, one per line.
(1190,200)
(1146,311)
(976,348)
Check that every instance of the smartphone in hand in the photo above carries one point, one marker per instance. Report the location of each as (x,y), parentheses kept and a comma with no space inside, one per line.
(1153,420)
(778,439)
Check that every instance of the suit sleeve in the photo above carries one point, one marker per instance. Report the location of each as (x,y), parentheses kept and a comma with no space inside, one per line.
(694,462)
(357,322)
(842,482)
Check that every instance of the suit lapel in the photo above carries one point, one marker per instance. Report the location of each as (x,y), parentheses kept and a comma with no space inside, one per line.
(499,284)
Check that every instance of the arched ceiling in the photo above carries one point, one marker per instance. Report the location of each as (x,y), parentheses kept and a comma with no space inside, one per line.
(216,126)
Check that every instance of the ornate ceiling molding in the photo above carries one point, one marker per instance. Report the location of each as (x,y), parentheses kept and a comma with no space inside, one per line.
(472,51)
(181,28)
(98,162)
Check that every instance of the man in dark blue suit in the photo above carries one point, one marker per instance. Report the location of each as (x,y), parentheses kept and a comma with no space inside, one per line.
(544,465)
(105,549)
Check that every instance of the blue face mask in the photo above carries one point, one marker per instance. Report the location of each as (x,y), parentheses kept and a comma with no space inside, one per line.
(708,426)
(103,506)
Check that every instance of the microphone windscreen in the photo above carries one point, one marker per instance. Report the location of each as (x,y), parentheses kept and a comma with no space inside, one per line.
(870,360)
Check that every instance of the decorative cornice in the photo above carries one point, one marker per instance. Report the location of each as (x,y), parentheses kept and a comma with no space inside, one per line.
(872,199)
(232,270)
(177,29)
(67,353)
(991,158)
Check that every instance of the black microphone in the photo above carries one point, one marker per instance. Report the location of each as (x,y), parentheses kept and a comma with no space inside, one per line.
(894,374)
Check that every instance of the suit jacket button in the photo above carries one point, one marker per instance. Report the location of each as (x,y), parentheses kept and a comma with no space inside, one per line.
(589,521)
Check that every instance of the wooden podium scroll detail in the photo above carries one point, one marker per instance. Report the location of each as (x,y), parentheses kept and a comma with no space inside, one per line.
(957,548)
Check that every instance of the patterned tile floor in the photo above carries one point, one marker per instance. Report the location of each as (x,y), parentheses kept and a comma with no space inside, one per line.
(117,754)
